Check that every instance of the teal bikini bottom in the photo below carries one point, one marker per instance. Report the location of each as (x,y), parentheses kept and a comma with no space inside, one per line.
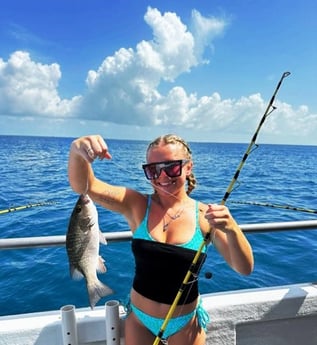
(154,324)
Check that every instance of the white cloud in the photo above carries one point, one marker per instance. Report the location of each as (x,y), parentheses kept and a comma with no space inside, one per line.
(204,30)
(125,88)
(30,88)
(173,43)
(286,120)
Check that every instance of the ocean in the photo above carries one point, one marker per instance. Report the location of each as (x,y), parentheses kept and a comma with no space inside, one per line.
(34,169)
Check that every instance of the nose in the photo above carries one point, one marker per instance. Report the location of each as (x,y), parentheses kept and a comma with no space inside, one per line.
(163,174)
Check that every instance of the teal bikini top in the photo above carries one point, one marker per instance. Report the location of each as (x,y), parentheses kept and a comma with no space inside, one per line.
(142,231)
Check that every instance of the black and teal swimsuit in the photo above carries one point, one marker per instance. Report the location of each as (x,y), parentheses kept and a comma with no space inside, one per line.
(160,269)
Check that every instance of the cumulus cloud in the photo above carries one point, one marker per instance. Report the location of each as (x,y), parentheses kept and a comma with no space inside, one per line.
(30,88)
(125,87)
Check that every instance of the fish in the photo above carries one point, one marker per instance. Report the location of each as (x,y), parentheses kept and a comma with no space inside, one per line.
(83,240)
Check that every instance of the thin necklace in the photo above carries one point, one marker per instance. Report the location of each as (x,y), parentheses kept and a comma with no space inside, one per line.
(175,216)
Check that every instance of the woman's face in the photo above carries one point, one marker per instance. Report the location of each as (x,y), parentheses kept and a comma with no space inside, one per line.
(172,175)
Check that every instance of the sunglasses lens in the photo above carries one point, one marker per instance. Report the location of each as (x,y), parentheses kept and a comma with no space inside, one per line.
(173,169)
(151,171)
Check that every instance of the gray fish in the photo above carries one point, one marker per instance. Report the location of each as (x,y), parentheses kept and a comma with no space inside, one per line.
(82,245)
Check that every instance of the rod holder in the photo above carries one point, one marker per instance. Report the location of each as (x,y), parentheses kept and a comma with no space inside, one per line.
(69,325)
(112,322)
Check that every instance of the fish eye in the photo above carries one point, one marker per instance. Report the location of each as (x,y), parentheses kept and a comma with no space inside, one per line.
(78,209)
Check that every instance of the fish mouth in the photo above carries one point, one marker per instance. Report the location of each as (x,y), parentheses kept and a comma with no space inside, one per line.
(85,198)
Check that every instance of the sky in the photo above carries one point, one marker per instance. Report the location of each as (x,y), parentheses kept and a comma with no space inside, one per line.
(205,70)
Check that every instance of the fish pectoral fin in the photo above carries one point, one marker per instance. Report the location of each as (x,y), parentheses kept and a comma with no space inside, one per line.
(101,266)
(102,238)
(75,273)
(96,291)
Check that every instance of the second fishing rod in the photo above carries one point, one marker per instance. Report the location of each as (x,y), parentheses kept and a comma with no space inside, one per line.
(193,269)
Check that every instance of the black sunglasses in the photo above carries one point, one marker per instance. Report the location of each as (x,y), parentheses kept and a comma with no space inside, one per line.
(171,168)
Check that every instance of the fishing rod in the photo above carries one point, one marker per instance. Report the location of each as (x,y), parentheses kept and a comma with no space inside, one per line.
(285,207)
(204,242)
(18,208)
(267,112)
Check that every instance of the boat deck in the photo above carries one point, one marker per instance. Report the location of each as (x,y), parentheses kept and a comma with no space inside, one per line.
(285,315)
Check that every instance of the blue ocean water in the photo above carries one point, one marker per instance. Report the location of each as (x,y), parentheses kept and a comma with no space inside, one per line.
(34,169)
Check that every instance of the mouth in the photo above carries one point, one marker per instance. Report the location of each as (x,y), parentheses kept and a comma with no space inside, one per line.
(85,199)
(166,183)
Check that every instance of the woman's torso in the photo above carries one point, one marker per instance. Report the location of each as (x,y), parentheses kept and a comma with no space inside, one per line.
(190,237)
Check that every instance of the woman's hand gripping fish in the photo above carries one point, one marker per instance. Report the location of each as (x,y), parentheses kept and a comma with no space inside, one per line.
(82,245)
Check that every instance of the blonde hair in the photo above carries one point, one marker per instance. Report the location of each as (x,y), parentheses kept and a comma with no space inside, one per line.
(176,140)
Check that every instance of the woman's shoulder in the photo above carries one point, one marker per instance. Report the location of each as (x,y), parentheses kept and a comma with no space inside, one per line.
(138,204)
(136,199)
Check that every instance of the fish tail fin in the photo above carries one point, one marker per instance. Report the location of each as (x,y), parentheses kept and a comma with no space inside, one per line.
(96,291)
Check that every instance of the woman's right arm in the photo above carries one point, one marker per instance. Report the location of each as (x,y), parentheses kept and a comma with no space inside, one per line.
(81,176)
(83,152)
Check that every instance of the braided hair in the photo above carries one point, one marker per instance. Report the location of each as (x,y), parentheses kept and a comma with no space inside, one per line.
(176,140)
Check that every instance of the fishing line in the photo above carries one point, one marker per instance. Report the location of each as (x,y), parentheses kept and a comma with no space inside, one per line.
(252,144)
(285,207)
(23,207)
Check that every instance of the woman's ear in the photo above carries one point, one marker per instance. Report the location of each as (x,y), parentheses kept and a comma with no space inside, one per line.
(189,168)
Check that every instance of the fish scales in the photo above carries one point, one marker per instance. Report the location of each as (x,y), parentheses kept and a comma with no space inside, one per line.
(82,244)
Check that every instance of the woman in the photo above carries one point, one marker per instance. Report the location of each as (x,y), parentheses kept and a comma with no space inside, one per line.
(168,227)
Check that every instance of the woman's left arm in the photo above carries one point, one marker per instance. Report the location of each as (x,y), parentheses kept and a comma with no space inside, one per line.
(229,239)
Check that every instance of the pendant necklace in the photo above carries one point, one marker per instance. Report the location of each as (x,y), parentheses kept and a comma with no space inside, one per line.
(175,216)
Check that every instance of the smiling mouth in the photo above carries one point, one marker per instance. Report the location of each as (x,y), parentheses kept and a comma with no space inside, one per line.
(166,184)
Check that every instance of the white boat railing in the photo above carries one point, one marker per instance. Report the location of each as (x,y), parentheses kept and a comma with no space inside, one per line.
(122,236)
(282,315)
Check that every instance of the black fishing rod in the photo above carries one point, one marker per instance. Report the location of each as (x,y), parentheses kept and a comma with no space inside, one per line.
(18,208)
(206,239)
(267,112)
(285,207)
